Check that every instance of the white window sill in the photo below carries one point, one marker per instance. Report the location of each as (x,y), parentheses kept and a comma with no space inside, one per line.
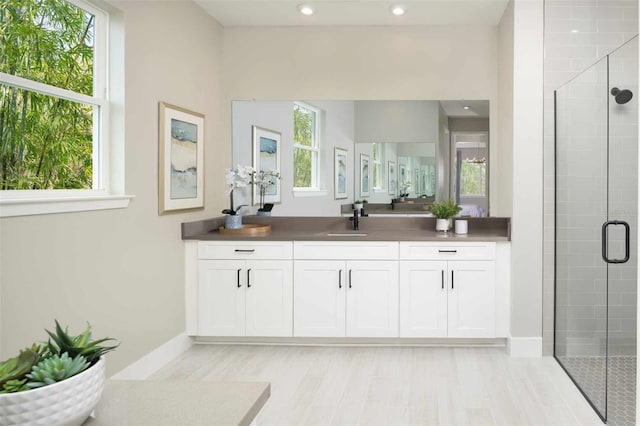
(24,206)
(302,193)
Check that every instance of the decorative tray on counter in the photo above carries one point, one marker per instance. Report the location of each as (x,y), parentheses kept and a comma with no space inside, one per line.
(247,229)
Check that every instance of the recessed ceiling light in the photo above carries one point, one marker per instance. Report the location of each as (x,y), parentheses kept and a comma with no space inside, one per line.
(305,9)
(575,31)
(397,10)
(466,107)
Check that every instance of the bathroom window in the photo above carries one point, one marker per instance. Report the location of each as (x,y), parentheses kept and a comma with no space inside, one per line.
(306,146)
(473,178)
(54,126)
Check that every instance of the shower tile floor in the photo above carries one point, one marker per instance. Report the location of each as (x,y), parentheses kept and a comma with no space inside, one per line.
(589,372)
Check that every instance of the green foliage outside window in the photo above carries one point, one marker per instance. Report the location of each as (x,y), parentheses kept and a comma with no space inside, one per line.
(46,142)
(473,178)
(303,129)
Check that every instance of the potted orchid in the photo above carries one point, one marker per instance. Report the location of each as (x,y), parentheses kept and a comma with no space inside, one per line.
(263,180)
(404,190)
(239,177)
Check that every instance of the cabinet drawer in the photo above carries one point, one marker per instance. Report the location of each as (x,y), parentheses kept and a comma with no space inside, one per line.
(245,250)
(447,251)
(371,250)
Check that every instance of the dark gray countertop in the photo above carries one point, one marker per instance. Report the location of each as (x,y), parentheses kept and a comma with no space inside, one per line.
(375,228)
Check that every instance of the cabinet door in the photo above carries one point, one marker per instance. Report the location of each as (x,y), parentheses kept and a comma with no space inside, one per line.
(423,298)
(221,298)
(472,299)
(269,295)
(372,298)
(319,298)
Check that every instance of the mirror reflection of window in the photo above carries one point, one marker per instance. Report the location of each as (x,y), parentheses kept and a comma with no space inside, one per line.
(470,171)
(306,146)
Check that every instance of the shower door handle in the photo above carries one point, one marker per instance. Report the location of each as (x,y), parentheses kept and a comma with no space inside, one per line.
(605,239)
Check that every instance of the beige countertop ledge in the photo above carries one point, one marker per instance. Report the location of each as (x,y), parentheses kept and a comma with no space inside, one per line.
(157,403)
(376,229)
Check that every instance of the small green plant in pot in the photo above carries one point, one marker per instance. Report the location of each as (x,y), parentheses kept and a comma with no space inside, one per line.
(36,386)
(444,211)
(359,204)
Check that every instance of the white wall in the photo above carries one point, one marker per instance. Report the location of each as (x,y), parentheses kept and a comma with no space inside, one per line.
(278,116)
(365,63)
(396,121)
(504,155)
(526,223)
(123,270)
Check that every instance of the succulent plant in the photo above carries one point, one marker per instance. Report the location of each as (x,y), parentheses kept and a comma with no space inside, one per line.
(14,385)
(78,345)
(18,367)
(55,369)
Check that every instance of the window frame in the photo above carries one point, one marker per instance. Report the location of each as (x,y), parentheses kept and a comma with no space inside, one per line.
(315,148)
(107,190)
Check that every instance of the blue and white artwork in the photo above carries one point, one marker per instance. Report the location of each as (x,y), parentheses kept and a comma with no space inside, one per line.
(364,175)
(269,160)
(184,160)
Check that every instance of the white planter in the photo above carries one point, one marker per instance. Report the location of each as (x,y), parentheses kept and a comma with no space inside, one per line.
(358,206)
(443,225)
(64,403)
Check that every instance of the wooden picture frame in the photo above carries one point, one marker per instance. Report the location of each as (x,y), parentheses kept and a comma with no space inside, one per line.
(266,156)
(340,157)
(392,182)
(365,179)
(180,159)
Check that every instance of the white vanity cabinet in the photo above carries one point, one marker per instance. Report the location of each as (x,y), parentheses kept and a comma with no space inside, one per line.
(245,289)
(348,289)
(447,290)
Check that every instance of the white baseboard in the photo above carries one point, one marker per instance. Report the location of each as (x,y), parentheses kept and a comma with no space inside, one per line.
(525,347)
(156,359)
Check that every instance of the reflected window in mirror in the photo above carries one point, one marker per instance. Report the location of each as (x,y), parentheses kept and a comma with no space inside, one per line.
(306,146)
(469,180)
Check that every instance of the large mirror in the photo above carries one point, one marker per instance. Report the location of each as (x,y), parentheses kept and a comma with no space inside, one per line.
(389,149)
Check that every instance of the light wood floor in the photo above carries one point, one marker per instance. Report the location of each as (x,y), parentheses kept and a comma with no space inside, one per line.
(393,385)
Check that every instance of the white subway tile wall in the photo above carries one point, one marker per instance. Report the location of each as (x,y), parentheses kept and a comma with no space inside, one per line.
(577,34)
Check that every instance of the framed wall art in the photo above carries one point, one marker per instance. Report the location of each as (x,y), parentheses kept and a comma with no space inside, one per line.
(340,173)
(364,175)
(180,159)
(266,156)
(391,177)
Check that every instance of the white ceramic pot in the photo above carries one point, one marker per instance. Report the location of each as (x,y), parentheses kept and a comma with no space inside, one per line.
(358,206)
(68,402)
(443,225)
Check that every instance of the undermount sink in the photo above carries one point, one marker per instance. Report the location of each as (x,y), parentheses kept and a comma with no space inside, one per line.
(345,234)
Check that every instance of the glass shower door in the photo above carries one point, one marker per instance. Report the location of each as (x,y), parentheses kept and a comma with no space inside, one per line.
(596,232)
(623,208)
(581,209)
